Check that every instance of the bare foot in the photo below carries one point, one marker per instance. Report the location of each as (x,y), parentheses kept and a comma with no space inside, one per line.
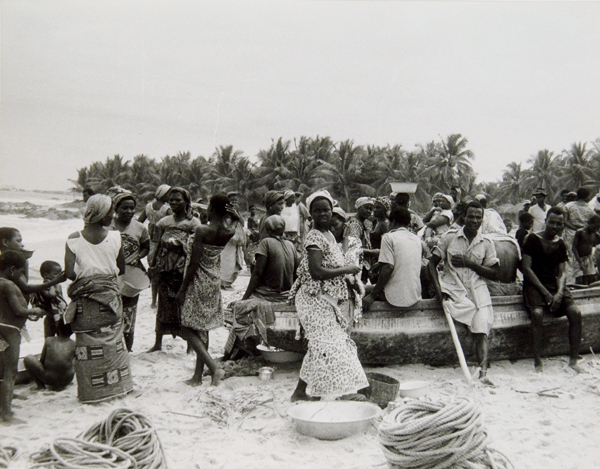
(539,367)
(10,419)
(353,397)
(156,348)
(194,381)
(575,367)
(485,380)
(217,376)
(153,306)
(303,397)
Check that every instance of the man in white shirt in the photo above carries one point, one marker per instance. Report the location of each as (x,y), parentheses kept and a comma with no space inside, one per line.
(539,210)
(399,282)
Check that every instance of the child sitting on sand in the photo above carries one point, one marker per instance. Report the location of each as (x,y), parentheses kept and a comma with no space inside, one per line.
(13,315)
(52,301)
(54,368)
(583,249)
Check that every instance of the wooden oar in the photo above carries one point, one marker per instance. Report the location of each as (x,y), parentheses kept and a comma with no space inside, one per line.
(457,346)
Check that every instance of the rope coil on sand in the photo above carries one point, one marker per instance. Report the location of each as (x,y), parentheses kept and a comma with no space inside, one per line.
(434,435)
(126,439)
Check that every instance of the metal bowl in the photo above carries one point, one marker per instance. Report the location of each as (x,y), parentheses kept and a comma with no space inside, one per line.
(333,420)
(413,389)
(274,355)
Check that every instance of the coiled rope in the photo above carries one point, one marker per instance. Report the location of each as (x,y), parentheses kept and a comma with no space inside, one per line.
(125,439)
(7,453)
(435,435)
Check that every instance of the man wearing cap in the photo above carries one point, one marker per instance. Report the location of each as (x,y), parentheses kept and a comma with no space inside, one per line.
(274,203)
(232,255)
(539,210)
(526,207)
(492,221)
(360,227)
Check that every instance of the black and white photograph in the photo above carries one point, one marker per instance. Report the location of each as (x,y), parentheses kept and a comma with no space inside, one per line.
(304,234)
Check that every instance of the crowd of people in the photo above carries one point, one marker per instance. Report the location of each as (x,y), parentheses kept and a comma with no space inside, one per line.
(331,265)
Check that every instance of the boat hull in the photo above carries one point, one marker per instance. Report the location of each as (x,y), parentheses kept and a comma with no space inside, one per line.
(388,335)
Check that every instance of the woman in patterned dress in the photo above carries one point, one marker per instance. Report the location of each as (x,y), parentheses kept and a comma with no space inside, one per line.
(154,212)
(331,366)
(169,262)
(136,244)
(200,291)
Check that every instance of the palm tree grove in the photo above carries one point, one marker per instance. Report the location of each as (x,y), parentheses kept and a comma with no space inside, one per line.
(347,170)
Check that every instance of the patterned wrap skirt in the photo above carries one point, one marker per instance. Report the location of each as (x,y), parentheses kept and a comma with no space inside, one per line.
(331,365)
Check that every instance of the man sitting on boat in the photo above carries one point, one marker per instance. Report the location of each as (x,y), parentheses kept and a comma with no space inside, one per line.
(271,281)
(469,257)
(399,281)
(544,288)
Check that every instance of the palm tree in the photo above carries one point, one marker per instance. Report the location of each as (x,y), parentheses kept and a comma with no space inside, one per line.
(222,172)
(542,173)
(198,177)
(274,162)
(449,163)
(511,187)
(576,171)
(341,173)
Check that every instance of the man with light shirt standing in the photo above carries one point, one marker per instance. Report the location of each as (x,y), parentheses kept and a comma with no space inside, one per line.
(539,210)
(399,282)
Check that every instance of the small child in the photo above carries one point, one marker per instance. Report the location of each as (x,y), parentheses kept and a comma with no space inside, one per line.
(13,315)
(583,249)
(11,240)
(525,226)
(54,368)
(52,301)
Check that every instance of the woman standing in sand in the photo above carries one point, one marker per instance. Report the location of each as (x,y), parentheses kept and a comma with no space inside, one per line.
(200,291)
(136,244)
(154,212)
(168,264)
(331,366)
(93,259)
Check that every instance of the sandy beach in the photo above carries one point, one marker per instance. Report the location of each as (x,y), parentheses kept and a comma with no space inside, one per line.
(533,431)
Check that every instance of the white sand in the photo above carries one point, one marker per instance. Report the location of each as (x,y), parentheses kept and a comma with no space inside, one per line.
(533,431)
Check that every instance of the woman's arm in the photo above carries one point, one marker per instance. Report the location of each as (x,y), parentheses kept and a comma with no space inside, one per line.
(318,272)
(144,248)
(142,218)
(121,261)
(438,220)
(69,263)
(194,262)
(159,230)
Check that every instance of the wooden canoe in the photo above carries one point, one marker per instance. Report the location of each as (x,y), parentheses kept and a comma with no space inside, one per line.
(388,335)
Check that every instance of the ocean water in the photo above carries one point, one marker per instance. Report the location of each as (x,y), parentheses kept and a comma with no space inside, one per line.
(46,199)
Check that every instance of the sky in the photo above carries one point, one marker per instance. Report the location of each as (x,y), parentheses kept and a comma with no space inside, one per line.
(82,80)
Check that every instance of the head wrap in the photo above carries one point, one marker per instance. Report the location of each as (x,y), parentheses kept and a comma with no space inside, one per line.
(480,197)
(362,201)
(161,191)
(340,212)
(321,194)
(96,208)
(527,201)
(386,202)
(121,196)
(449,199)
(272,222)
(272,197)
(186,198)
(232,193)
(540,191)
(298,194)
(437,195)
(288,193)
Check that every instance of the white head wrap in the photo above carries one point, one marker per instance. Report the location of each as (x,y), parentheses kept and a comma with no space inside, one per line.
(162,190)
(315,195)
(363,201)
(96,208)
(340,211)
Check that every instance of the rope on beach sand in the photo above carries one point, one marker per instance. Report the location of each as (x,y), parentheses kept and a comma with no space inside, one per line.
(7,454)
(435,435)
(125,439)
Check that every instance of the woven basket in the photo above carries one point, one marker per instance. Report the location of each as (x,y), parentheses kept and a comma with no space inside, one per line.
(382,389)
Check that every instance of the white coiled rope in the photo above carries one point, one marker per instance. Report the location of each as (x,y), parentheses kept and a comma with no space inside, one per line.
(435,435)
